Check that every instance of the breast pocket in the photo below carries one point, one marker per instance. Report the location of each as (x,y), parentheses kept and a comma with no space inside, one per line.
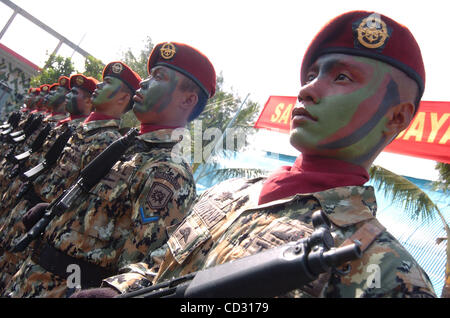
(279,232)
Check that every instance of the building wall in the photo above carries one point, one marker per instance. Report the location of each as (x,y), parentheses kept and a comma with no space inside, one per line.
(15,74)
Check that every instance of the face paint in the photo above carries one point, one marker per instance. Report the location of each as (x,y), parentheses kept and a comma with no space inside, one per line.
(75,101)
(106,90)
(57,97)
(156,91)
(352,96)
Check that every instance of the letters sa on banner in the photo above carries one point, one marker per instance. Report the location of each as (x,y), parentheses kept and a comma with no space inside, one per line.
(428,135)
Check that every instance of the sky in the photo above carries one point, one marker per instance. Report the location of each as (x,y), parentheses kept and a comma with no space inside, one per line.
(257,45)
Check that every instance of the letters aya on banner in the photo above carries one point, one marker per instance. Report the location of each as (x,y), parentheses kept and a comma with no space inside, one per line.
(428,135)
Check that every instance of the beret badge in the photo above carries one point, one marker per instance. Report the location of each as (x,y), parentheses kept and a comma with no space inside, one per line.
(117,68)
(63,81)
(79,80)
(168,51)
(372,32)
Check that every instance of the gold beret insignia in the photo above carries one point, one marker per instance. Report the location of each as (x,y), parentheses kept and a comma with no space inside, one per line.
(168,51)
(372,32)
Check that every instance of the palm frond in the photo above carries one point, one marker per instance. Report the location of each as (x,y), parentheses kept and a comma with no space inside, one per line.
(219,174)
(403,193)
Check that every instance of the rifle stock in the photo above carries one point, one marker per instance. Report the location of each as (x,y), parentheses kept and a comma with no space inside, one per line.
(270,273)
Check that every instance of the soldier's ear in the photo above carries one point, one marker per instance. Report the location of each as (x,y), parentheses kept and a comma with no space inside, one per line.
(399,118)
(189,101)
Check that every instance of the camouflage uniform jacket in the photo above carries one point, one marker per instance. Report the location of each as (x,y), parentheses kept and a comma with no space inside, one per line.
(88,140)
(227,223)
(35,158)
(26,145)
(122,219)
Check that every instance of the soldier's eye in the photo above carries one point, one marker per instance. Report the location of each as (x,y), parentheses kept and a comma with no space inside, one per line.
(343,77)
(310,77)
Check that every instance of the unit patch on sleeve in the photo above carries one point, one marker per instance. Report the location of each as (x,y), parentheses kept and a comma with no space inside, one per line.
(159,195)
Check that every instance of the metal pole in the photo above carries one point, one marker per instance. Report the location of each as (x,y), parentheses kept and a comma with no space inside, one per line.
(45,27)
(8,24)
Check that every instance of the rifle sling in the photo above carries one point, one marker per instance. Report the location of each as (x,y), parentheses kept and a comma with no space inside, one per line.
(57,262)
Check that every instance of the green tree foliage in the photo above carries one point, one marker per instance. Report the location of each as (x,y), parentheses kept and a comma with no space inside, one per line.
(444,177)
(55,66)
(229,114)
(93,68)
(138,63)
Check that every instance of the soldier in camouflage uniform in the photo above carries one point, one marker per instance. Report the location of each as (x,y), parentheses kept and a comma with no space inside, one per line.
(359,90)
(79,105)
(55,100)
(125,217)
(111,99)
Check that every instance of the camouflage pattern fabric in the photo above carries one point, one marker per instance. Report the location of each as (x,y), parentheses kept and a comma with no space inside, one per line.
(89,140)
(9,195)
(226,224)
(7,167)
(122,220)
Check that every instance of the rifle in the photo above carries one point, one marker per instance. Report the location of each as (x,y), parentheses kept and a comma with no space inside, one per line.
(270,273)
(16,138)
(50,159)
(89,177)
(35,146)
(12,122)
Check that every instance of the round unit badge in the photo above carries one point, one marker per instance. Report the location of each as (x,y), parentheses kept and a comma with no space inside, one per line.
(117,68)
(372,32)
(168,51)
(79,81)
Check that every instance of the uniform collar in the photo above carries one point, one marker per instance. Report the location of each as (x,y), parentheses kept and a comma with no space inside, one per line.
(87,126)
(344,206)
(159,136)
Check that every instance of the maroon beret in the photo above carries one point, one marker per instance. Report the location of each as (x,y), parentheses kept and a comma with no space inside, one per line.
(44,88)
(372,35)
(186,60)
(123,72)
(89,84)
(35,90)
(53,86)
(64,81)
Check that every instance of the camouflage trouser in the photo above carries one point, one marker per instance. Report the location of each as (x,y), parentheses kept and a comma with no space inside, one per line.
(9,265)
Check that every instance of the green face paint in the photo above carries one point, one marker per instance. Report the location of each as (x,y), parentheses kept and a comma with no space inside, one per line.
(156,91)
(57,97)
(106,90)
(352,95)
(73,99)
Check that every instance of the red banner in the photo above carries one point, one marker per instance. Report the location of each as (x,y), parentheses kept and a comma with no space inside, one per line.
(428,135)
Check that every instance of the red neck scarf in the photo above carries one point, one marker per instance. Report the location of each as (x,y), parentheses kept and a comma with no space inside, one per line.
(98,116)
(311,174)
(145,128)
(71,117)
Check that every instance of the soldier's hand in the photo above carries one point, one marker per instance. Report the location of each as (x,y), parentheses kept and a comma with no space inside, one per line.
(33,215)
(104,292)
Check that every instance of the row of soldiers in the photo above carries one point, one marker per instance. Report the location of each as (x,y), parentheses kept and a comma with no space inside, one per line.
(139,222)
(124,216)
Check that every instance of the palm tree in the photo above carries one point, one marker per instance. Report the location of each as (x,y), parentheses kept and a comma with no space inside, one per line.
(416,202)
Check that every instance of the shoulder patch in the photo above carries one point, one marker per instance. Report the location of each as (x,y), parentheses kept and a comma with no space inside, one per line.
(158,195)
